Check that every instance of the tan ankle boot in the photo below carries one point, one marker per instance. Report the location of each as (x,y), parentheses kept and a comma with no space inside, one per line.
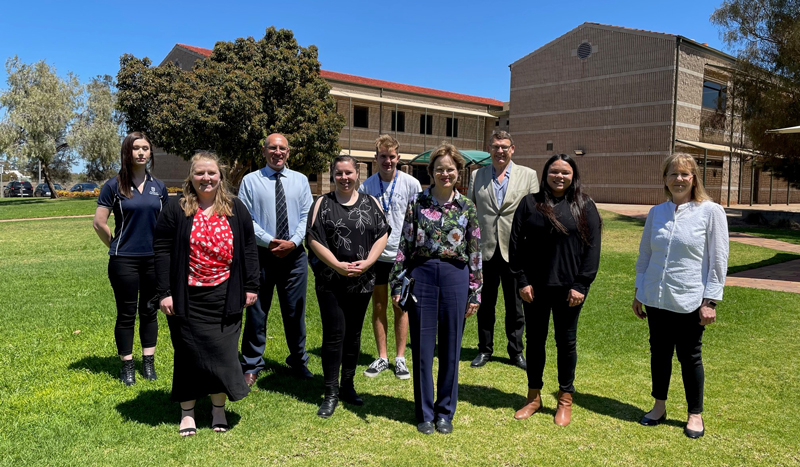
(564,409)
(532,405)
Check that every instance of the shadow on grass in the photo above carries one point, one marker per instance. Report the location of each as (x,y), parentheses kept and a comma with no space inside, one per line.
(154,408)
(363,358)
(108,365)
(777,259)
(612,408)
(278,378)
(493,398)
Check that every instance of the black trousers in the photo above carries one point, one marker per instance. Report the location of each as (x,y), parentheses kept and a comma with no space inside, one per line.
(672,332)
(133,279)
(565,327)
(342,315)
(495,273)
(289,276)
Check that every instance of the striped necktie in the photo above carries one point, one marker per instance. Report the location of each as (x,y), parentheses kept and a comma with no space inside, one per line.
(281,217)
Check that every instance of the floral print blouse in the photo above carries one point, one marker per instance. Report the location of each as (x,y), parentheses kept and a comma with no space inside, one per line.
(448,231)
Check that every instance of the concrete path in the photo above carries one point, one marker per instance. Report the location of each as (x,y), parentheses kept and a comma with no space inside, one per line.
(783,277)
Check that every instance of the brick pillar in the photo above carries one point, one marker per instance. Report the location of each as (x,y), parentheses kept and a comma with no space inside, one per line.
(406,168)
(325,182)
(362,173)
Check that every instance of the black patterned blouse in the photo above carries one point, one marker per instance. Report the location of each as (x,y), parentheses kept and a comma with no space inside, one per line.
(349,232)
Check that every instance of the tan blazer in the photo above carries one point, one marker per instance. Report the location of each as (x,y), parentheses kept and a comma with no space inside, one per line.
(495,221)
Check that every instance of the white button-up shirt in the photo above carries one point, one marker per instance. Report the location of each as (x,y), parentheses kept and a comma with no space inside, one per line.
(683,256)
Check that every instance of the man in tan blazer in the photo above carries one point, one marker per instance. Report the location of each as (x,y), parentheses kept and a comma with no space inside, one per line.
(496,191)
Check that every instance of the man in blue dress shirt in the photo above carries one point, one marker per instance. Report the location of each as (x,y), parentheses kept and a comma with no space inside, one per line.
(278,200)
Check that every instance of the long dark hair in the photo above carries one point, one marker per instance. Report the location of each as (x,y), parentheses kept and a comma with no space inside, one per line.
(125,175)
(574,196)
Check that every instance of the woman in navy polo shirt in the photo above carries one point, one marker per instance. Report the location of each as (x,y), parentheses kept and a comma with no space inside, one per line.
(136,198)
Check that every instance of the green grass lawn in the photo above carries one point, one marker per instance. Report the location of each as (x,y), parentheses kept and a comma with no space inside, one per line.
(61,402)
(23,208)
(784,235)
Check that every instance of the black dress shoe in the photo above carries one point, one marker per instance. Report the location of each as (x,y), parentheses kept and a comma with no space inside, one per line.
(481,360)
(694,434)
(519,361)
(301,372)
(328,405)
(653,422)
(426,428)
(348,394)
(443,426)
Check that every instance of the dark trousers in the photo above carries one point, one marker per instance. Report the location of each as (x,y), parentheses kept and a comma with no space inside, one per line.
(565,328)
(289,275)
(441,288)
(496,272)
(342,317)
(672,332)
(133,279)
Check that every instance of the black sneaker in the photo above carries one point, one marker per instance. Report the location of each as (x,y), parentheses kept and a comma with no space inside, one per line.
(128,373)
(376,367)
(400,369)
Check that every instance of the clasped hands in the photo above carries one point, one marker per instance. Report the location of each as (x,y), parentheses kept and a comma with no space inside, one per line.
(281,248)
(354,269)
(574,297)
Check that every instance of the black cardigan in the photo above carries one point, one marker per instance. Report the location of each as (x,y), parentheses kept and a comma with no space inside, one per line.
(172,248)
(542,256)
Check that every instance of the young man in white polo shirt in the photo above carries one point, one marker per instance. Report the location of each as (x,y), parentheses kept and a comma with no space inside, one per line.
(394,189)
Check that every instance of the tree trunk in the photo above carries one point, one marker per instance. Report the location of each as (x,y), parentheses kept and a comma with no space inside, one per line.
(236,173)
(48,180)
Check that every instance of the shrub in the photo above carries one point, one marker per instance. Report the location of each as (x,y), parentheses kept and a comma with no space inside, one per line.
(78,194)
(174,189)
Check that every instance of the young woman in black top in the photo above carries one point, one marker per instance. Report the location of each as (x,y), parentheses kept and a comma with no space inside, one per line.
(555,252)
(136,198)
(346,233)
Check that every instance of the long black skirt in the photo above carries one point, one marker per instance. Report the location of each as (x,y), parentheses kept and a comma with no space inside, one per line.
(206,343)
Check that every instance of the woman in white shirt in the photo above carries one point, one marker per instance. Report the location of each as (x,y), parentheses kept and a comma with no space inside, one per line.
(680,274)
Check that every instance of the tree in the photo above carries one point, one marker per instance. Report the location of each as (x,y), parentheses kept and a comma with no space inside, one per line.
(60,167)
(766,37)
(39,107)
(97,134)
(232,100)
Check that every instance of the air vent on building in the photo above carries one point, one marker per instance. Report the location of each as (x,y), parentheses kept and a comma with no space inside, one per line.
(584,50)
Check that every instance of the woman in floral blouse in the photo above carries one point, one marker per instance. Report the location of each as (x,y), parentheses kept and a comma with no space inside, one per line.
(440,250)
(346,234)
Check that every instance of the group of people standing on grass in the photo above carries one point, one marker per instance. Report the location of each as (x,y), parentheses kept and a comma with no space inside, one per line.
(436,256)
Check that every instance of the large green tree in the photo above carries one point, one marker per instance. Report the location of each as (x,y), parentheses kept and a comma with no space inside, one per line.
(766,37)
(39,108)
(96,135)
(231,100)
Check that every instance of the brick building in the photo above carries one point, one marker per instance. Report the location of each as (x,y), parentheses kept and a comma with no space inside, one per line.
(622,100)
(420,118)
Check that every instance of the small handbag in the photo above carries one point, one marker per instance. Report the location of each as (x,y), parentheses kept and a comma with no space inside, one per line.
(406,289)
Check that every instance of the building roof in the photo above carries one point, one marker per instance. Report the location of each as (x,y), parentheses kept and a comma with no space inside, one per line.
(643,32)
(377,83)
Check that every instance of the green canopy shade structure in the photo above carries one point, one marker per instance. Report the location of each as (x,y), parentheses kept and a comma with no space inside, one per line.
(480,158)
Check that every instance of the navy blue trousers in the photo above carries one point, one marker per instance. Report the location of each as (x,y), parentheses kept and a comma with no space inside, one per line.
(289,275)
(441,288)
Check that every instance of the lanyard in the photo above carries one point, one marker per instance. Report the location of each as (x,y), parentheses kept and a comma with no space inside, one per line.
(391,193)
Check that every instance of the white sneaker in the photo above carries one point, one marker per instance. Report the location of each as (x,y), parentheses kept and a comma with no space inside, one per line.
(400,368)
(376,367)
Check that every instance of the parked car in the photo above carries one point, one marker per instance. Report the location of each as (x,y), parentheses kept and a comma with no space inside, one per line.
(84,187)
(18,189)
(43,190)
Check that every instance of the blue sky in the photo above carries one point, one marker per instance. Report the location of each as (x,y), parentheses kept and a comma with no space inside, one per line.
(463,46)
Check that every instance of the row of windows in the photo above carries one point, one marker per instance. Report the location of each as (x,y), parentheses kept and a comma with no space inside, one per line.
(361,120)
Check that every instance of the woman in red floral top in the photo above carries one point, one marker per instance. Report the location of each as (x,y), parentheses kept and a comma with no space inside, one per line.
(207,271)
(440,249)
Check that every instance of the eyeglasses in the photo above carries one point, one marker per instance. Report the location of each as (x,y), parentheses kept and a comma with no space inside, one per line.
(448,171)
(497,147)
(278,148)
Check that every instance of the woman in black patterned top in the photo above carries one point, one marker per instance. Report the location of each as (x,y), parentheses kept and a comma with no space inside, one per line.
(346,234)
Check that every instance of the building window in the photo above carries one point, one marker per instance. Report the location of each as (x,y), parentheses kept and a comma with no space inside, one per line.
(452,127)
(497,123)
(426,124)
(312,177)
(360,117)
(398,121)
(715,95)
(420,172)
(549,145)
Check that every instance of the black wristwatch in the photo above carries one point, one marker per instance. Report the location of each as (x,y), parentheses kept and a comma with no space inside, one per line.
(712,304)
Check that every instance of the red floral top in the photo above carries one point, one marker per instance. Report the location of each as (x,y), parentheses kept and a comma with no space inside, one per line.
(211,251)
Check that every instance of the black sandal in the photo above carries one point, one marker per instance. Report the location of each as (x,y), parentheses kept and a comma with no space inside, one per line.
(190,431)
(223,427)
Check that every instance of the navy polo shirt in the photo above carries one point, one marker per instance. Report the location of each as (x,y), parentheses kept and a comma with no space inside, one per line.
(135,217)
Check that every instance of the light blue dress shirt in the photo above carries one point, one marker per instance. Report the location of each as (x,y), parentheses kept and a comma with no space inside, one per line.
(257,192)
(500,188)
